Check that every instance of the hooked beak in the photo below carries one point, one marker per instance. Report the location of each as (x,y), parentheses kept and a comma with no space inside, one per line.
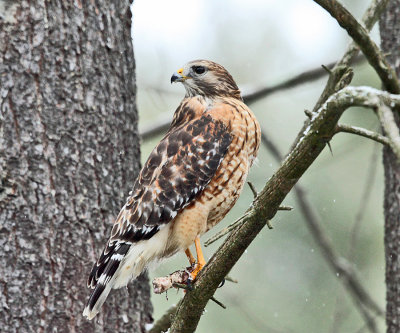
(178,76)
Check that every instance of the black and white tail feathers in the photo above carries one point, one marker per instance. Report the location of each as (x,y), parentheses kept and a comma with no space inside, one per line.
(103,275)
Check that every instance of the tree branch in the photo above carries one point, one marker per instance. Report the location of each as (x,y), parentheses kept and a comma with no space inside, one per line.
(369,19)
(339,73)
(365,43)
(305,77)
(389,125)
(265,206)
(362,132)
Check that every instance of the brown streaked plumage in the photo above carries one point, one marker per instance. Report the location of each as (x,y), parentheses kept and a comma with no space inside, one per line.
(190,181)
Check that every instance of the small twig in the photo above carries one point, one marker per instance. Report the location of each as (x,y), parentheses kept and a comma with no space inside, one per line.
(218,302)
(253,189)
(309,113)
(186,287)
(328,70)
(285,208)
(225,231)
(330,147)
(269,225)
(363,132)
(230,279)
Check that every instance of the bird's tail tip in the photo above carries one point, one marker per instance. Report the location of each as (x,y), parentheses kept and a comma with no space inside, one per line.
(109,268)
(96,300)
(89,314)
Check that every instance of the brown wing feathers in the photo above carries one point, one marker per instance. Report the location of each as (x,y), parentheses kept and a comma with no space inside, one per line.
(176,172)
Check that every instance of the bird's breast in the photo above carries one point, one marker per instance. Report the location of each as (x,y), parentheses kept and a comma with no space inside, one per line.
(225,187)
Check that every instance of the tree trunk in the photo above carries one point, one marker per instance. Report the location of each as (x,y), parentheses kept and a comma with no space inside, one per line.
(69,155)
(390,43)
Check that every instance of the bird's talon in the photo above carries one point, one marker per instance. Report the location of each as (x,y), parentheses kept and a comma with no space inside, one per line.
(221,284)
(195,272)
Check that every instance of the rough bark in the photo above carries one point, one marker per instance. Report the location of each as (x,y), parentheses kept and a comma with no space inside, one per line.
(390,43)
(69,152)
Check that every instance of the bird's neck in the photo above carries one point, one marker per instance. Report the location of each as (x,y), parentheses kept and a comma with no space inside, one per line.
(194,107)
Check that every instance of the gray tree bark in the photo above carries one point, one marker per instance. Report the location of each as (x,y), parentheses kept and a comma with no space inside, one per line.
(390,42)
(69,154)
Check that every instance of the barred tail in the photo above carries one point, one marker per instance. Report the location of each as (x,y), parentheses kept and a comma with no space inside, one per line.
(107,266)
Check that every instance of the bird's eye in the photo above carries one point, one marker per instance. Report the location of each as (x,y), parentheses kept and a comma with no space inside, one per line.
(199,69)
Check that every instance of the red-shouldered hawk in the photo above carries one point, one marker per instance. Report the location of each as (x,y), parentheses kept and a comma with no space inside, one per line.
(190,181)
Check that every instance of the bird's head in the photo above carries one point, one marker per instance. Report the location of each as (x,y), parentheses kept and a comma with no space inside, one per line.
(206,78)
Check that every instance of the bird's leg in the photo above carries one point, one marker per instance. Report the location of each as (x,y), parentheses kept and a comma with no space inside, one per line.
(190,257)
(200,258)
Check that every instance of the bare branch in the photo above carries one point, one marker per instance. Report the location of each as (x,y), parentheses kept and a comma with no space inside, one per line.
(305,77)
(253,189)
(282,207)
(226,230)
(362,132)
(339,73)
(365,43)
(369,19)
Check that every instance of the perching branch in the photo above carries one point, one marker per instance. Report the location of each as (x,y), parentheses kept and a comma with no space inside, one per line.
(365,43)
(265,206)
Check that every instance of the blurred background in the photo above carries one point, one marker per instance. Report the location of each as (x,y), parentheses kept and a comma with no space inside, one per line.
(285,284)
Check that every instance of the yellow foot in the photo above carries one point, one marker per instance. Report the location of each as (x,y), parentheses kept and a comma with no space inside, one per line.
(197,268)
(200,259)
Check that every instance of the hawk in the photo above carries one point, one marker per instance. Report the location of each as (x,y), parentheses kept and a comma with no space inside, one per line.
(190,181)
